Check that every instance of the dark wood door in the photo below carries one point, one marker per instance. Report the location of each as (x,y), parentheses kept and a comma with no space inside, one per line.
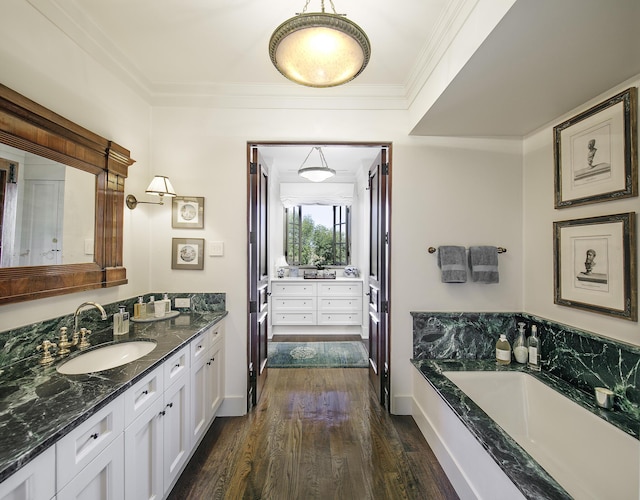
(378,279)
(258,276)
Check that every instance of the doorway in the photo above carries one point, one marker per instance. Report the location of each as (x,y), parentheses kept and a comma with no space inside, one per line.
(367,168)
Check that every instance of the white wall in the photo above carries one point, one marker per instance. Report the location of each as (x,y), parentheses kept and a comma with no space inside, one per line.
(443,191)
(539,216)
(40,62)
(449,191)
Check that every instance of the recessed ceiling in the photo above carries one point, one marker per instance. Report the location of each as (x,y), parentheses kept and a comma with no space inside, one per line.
(544,58)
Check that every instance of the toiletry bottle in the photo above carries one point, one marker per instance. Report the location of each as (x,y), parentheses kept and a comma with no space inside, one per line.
(520,351)
(117,323)
(534,349)
(167,303)
(503,351)
(140,309)
(125,320)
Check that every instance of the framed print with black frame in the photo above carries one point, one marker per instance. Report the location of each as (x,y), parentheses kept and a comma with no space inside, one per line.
(596,153)
(595,265)
(187,253)
(187,212)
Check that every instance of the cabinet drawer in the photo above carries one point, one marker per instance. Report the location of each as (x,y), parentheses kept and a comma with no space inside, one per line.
(176,365)
(199,347)
(340,318)
(293,318)
(330,304)
(75,450)
(216,334)
(142,394)
(307,304)
(340,288)
(295,289)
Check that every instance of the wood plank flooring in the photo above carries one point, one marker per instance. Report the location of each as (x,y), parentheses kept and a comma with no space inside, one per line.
(317,433)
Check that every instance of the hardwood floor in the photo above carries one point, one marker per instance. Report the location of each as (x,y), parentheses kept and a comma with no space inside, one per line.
(316,433)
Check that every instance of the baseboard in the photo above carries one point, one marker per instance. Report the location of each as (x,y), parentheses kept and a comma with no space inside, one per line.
(402,405)
(233,406)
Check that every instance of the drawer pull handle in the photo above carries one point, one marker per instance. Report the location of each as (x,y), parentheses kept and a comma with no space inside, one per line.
(177,365)
(170,405)
(94,436)
(162,413)
(145,392)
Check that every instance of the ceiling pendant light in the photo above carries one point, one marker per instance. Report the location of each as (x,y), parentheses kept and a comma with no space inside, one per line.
(316,173)
(319,49)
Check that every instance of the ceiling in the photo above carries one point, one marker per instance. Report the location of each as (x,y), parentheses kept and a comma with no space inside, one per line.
(544,58)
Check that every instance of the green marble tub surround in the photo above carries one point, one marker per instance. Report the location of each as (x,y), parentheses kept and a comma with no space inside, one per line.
(583,359)
(528,476)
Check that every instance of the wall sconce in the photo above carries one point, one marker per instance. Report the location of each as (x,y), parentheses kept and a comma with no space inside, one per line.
(160,186)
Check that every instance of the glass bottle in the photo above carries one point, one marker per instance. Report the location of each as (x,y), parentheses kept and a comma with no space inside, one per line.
(534,349)
(503,350)
(520,351)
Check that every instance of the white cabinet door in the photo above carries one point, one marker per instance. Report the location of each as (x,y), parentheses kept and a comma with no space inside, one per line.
(143,457)
(176,429)
(101,479)
(34,481)
(215,380)
(199,415)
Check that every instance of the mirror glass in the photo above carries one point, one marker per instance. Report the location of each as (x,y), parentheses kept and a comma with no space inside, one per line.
(47,211)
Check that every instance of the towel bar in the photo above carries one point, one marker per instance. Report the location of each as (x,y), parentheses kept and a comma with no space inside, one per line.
(433,250)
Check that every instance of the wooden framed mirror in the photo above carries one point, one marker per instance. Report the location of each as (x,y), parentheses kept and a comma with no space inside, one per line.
(32,128)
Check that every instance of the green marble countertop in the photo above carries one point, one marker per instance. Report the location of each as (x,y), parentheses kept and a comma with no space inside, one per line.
(38,405)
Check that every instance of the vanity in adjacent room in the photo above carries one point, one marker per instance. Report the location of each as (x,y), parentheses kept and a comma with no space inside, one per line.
(311,302)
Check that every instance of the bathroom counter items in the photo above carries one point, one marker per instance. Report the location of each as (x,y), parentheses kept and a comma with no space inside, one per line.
(38,405)
(529,477)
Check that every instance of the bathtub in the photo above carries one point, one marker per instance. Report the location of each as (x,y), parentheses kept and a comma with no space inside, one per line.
(588,457)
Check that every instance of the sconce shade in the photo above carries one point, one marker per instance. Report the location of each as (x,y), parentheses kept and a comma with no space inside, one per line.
(319,49)
(161,186)
(316,173)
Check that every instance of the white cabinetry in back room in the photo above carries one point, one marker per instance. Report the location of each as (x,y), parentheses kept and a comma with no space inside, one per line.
(321,303)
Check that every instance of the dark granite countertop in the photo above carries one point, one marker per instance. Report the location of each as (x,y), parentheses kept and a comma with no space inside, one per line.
(529,477)
(38,405)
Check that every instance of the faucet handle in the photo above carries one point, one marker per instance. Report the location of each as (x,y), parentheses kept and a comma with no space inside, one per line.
(46,359)
(63,343)
(84,343)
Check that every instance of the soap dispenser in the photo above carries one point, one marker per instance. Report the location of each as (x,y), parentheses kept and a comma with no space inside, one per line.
(140,309)
(534,350)
(503,350)
(520,351)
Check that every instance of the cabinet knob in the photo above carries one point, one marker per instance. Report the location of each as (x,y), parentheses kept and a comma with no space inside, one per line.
(169,405)
(94,436)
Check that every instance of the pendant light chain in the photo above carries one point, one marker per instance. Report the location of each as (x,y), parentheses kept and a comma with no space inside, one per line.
(333,7)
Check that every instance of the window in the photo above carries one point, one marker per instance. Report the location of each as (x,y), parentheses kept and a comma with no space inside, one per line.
(317,235)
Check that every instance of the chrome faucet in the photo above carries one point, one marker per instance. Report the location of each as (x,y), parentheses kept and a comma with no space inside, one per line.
(91,304)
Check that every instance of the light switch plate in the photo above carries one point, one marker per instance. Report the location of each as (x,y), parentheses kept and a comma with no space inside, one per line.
(183,302)
(216,249)
(88,246)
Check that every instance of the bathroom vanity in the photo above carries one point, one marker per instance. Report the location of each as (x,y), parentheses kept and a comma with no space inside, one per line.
(128,430)
(300,301)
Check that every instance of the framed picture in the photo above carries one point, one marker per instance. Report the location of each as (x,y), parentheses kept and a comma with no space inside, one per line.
(595,265)
(187,253)
(187,212)
(596,153)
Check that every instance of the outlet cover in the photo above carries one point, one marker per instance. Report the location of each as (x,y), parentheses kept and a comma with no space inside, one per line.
(184,302)
(216,249)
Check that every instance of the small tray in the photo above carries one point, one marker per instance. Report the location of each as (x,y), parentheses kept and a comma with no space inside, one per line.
(169,315)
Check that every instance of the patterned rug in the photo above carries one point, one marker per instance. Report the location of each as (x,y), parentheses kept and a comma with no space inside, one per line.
(317,355)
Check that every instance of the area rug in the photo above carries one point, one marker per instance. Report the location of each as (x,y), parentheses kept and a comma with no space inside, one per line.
(317,355)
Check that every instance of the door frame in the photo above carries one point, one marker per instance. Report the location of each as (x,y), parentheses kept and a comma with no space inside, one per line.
(384,145)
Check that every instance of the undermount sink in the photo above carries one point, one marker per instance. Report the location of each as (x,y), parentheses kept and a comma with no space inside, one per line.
(109,356)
